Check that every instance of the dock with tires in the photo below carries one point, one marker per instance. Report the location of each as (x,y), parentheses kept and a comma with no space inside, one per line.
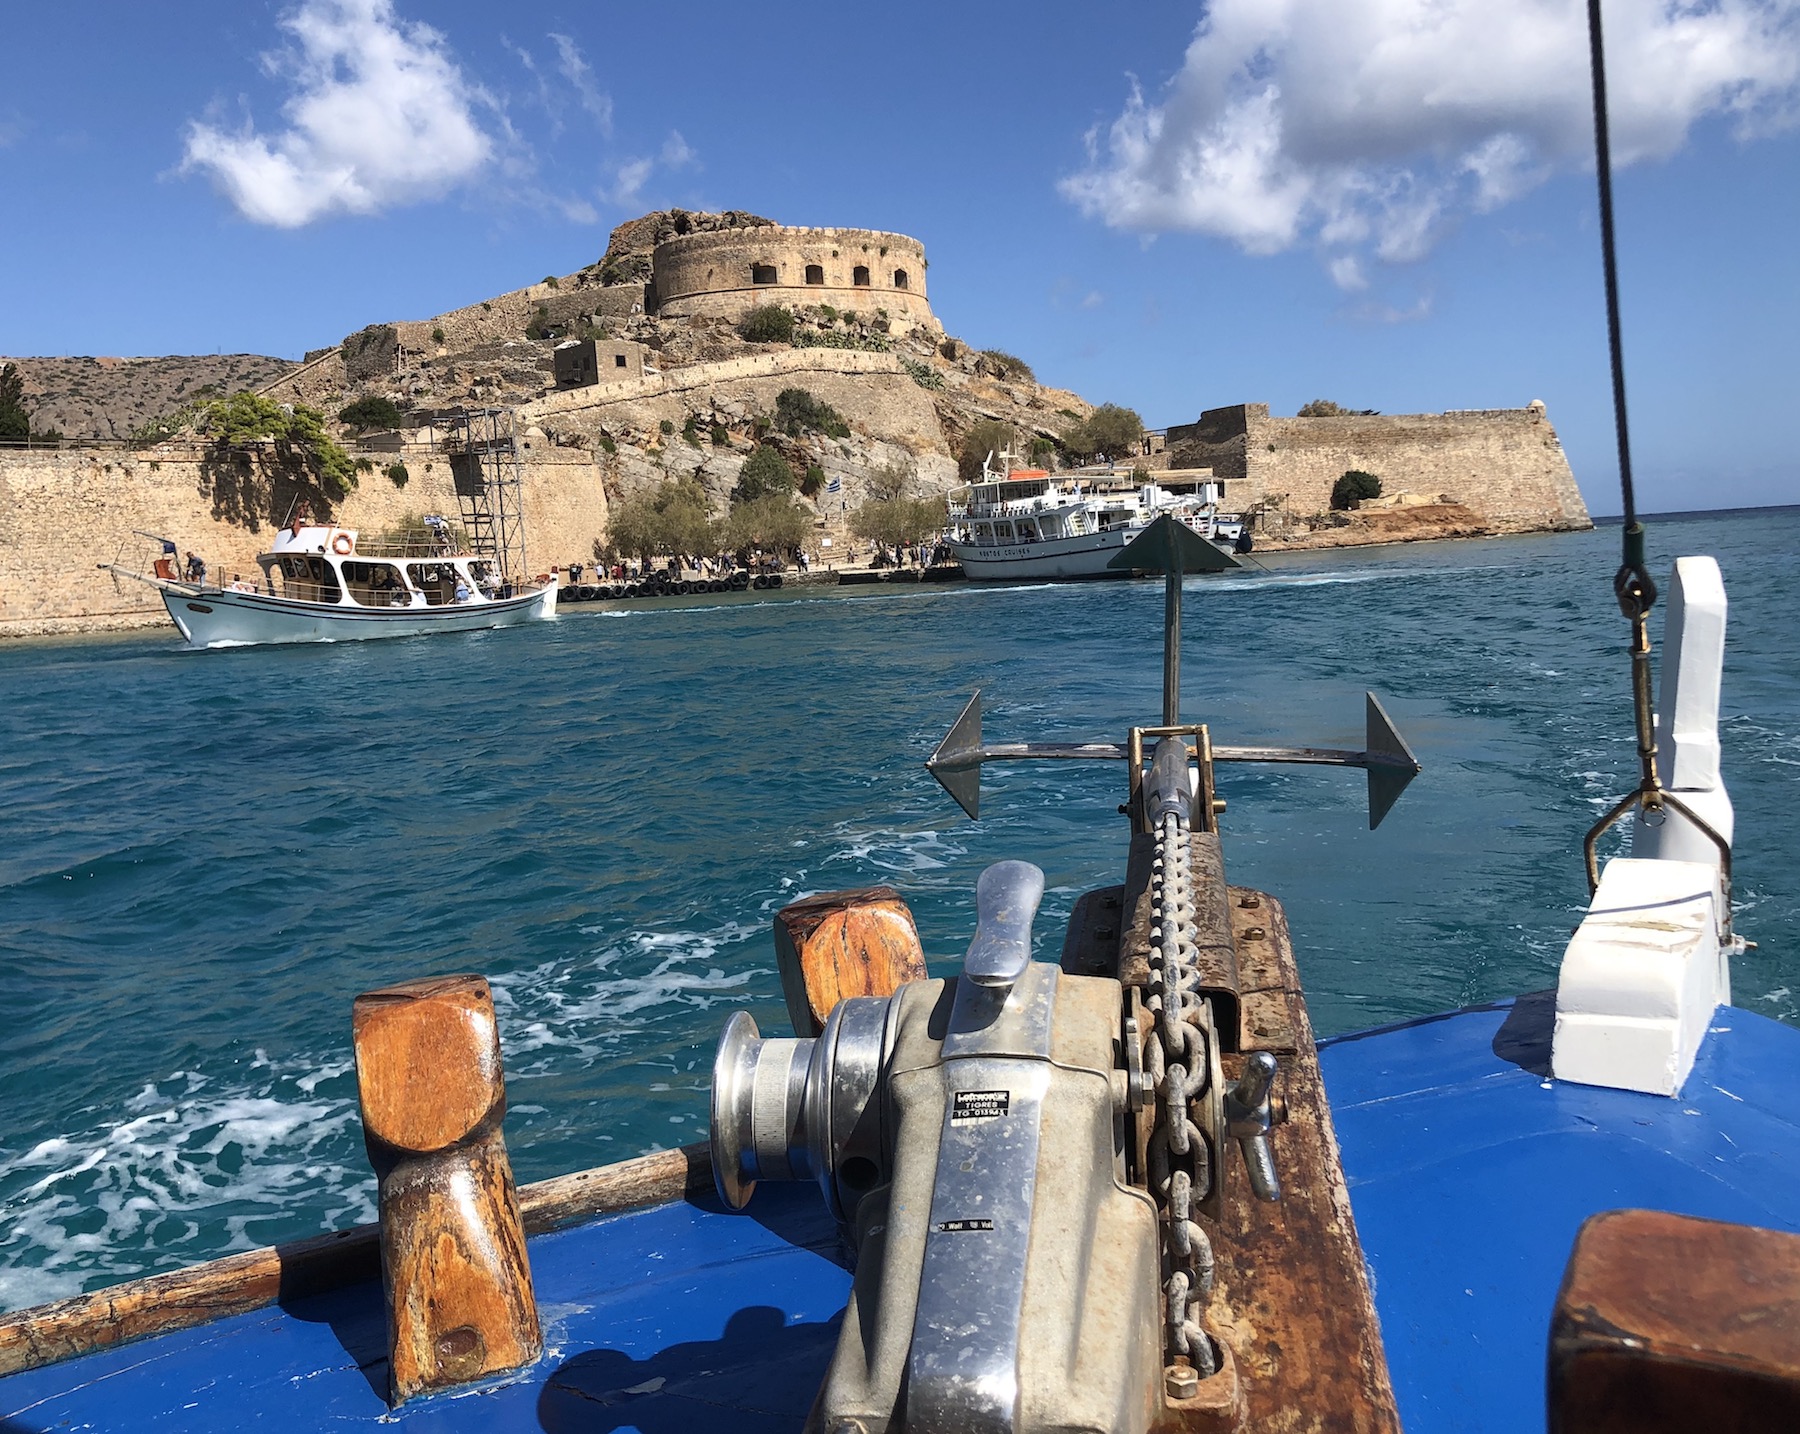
(665,585)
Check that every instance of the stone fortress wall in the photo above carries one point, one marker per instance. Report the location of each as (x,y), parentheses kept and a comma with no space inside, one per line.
(1505,464)
(62,511)
(726,273)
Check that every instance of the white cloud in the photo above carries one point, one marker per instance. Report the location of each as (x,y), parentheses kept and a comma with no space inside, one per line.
(380,115)
(1367,127)
(580,75)
(630,177)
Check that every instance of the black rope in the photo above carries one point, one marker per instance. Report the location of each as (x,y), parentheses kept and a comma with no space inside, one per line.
(1631,584)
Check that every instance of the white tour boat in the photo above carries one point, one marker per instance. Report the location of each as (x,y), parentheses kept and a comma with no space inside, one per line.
(1028,524)
(319,584)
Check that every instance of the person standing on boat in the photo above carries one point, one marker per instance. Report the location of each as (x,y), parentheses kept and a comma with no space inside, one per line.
(196,569)
(462,589)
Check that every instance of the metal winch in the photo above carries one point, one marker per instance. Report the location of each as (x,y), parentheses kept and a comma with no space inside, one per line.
(973,1136)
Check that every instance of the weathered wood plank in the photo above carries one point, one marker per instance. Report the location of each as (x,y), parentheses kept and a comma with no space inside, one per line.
(255,1279)
(1292,1296)
(844,943)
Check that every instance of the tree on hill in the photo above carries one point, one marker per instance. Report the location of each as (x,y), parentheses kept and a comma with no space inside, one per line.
(1353,487)
(376,411)
(891,515)
(15,422)
(1321,408)
(1007,365)
(764,472)
(989,435)
(297,434)
(674,517)
(771,521)
(1110,429)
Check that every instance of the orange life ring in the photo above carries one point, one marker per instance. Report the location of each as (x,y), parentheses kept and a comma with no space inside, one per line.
(342,544)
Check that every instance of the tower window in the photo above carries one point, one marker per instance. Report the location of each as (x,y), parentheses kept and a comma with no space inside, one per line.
(899,278)
(860,276)
(763,274)
(815,273)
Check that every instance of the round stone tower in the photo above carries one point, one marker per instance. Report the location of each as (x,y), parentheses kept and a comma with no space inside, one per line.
(726,273)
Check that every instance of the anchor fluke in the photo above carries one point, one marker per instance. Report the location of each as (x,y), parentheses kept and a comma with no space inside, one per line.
(1149,551)
(1390,763)
(957,761)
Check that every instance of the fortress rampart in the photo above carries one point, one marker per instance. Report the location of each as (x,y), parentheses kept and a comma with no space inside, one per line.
(728,272)
(62,511)
(1505,464)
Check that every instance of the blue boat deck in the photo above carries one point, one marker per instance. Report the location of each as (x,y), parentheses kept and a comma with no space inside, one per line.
(1469,1172)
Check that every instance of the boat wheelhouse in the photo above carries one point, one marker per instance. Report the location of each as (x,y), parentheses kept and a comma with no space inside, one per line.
(322,583)
(1029,524)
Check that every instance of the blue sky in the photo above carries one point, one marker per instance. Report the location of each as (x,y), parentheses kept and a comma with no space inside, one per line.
(1172,206)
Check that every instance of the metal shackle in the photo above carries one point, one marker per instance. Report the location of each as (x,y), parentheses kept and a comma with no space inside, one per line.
(785,1109)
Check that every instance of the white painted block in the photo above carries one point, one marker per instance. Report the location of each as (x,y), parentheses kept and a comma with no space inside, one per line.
(1640,978)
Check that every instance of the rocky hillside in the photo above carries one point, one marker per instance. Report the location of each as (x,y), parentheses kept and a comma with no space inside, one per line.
(908,394)
(114,397)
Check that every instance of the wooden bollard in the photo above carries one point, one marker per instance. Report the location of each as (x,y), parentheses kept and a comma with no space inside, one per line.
(844,943)
(453,1261)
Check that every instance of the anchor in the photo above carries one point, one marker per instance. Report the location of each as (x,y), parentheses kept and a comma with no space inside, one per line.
(1172,548)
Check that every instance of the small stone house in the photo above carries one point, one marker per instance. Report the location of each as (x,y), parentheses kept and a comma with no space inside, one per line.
(581,363)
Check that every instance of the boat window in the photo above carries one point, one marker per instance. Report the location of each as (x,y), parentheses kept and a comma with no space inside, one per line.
(1028,530)
(376,585)
(984,533)
(815,273)
(307,579)
(1003,531)
(436,580)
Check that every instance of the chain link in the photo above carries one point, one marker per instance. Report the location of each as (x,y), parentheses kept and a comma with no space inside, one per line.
(1178,1062)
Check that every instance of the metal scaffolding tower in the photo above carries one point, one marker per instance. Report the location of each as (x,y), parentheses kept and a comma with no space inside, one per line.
(484,465)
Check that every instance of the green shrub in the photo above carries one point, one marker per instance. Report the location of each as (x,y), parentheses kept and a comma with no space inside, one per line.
(397,473)
(667,426)
(607,443)
(764,472)
(550,279)
(837,339)
(829,314)
(691,430)
(922,373)
(1007,365)
(1321,408)
(812,481)
(797,412)
(378,411)
(769,324)
(1353,487)
(437,336)
(721,435)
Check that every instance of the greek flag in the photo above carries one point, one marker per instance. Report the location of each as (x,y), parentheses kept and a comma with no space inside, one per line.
(834,486)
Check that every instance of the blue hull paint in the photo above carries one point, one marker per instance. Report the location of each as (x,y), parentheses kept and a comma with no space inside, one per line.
(1469,1175)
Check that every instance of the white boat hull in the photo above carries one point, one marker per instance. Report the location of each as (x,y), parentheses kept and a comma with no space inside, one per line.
(1085,555)
(213,618)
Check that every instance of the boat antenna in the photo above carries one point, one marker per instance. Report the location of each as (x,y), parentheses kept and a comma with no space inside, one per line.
(1632,584)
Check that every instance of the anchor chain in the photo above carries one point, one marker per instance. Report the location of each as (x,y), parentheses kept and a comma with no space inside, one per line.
(1179,1062)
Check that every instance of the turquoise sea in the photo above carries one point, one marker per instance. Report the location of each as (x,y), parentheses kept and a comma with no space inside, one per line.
(207,855)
